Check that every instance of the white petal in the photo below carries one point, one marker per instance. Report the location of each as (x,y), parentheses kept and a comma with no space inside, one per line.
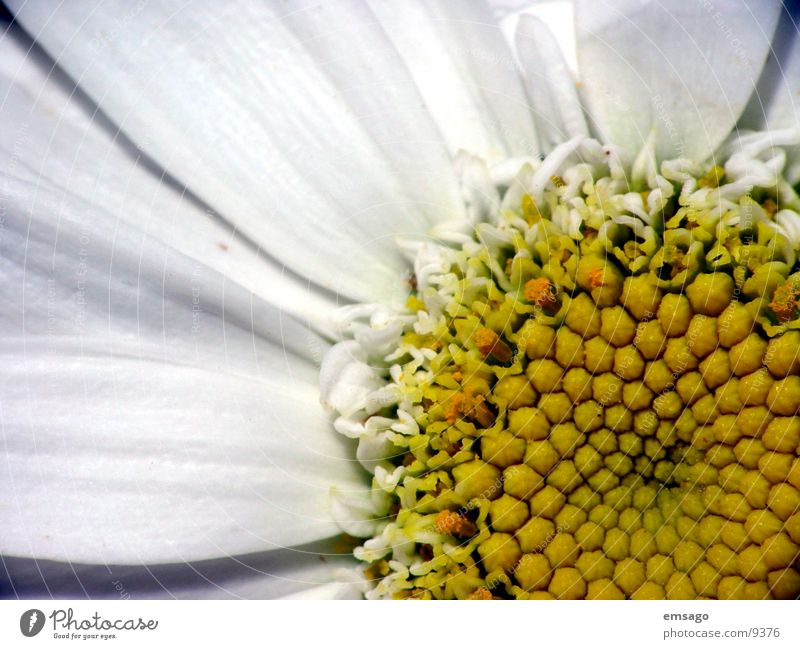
(480,192)
(466,73)
(552,163)
(151,411)
(346,379)
(335,590)
(226,97)
(502,8)
(49,130)
(289,572)
(345,39)
(355,512)
(551,88)
(558,15)
(685,69)
(159,462)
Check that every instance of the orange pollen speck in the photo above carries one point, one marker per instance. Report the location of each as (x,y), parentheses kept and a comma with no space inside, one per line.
(485,339)
(481,593)
(770,206)
(784,301)
(469,405)
(539,291)
(448,522)
(488,342)
(454,408)
(596,278)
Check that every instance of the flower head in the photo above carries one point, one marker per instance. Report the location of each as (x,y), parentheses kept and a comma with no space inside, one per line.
(567,350)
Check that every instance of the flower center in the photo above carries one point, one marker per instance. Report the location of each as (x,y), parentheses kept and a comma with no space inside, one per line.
(597,394)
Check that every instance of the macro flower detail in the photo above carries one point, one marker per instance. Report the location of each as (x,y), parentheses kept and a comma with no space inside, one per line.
(639,303)
(624,423)
(518,316)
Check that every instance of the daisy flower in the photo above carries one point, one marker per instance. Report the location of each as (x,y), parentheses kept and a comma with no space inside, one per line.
(520,315)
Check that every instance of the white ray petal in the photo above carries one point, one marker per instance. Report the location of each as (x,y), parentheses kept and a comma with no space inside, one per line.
(551,87)
(345,39)
(466,72)
(334,590)
(228,99)
(50,130)
(150,410)
(684,69)
(558,15)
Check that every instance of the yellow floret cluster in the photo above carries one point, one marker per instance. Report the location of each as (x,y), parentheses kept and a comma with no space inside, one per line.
(629,437)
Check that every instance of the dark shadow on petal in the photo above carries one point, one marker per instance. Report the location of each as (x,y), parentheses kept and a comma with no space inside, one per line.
(773,74)
(269,574)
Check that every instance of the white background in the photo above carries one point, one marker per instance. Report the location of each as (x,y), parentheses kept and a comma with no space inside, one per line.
(412,625)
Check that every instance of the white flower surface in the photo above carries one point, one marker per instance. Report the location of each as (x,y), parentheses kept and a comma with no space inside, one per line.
(199,204)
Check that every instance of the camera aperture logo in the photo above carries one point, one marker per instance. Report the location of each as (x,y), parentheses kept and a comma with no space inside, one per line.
(66,626)
(31,622)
